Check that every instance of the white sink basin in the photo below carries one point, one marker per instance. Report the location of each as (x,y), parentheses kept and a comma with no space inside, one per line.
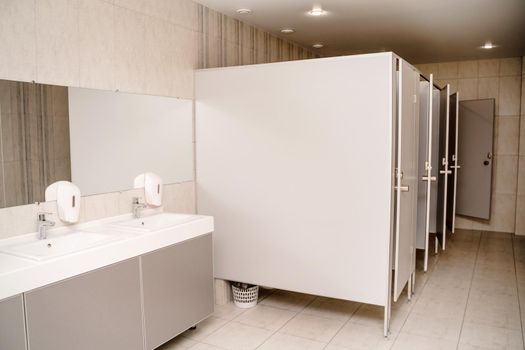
(53,247)
(155,222)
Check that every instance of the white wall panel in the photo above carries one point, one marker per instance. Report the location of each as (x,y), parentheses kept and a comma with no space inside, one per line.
(294,161)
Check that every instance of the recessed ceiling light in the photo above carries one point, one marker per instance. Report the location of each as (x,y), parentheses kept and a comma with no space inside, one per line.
(488,45)
(287,30)
(244,11)
(317,46)
(316,11)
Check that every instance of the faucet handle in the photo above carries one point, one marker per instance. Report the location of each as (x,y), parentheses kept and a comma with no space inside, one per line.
(42,215)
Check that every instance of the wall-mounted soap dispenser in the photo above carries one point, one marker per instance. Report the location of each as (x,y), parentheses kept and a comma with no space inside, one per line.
(67,197)
(152,185)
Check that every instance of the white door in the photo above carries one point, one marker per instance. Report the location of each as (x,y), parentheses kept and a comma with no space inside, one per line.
(406,176)
(444,171)
(476,148)
(453,160)
(425,167)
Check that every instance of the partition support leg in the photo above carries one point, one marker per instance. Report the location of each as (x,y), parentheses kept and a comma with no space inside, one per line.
(436,244)
(386,321)
(409,288)
(413,282)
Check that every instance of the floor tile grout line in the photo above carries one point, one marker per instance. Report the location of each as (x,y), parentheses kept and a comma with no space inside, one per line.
(429,274)
(343,325)
(518,289)
(469,289)
(294,316)
(227,322)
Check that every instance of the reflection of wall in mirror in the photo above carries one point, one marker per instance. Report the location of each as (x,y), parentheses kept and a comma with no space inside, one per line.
(34,140)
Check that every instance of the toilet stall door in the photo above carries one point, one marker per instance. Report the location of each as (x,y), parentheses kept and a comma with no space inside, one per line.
(425,167)
(444,171)
(476,149)
(453,161)
(406,176)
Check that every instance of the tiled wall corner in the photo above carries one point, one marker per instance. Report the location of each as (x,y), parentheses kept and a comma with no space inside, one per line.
(501,79)
(520,201)
(223,292)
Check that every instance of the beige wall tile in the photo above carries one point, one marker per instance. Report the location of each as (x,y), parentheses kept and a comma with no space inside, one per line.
(247,39)
(275,49)
(180,198)
(184,13)
(96,44)
(231,30)
(506,136)
(17,40)
(18,220)
(504,212)
(136,5)
(521,176)
(522,109)
(468,88)
(427,69)
(488,68)
(212,23)
(185,61)
(129,62)
(510,66)
(505,174)
(248,56)
(101,206)
(463,223)
(57,42)
(447,70)
(509,95)
(232,54)
(522,136)
(488,88)
(160,67)
(520,216)
(468,69)
(502,217)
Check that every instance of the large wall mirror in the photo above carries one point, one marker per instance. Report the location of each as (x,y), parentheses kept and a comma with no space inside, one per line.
(99,140)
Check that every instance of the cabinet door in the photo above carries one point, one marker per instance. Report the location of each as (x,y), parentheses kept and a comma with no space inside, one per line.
(12,329)
(178,288)
(97,310)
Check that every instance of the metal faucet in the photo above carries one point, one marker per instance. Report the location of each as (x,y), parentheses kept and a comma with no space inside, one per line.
(137,207)
(43,224)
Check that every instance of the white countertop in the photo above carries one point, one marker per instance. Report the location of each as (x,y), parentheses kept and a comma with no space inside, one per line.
(19,275)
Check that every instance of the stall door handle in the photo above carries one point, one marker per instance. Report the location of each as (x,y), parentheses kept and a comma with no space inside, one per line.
(445,171)
(432,178)
(404,188)
(485,163)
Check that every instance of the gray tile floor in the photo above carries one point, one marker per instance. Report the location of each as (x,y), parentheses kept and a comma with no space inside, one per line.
(469,299)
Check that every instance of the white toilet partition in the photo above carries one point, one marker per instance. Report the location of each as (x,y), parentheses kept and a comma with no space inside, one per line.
(295,161)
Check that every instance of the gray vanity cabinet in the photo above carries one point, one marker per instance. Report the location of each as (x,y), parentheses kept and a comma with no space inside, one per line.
(12,329)
(97,310)
(178,288)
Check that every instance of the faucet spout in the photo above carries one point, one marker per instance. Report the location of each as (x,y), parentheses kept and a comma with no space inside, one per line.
(43,224)
(137,206)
